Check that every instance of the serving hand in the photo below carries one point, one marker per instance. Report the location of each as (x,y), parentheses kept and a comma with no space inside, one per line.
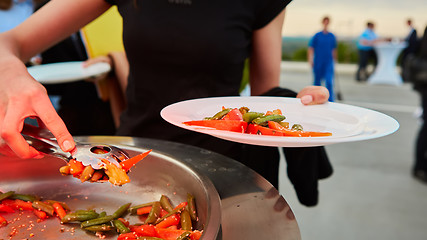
(21,96)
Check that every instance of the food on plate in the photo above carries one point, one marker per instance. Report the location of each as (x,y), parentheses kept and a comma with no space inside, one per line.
(243,120)
(115,174)
(157,220)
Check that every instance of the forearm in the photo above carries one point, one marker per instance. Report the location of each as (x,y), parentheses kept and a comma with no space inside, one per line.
(266,56)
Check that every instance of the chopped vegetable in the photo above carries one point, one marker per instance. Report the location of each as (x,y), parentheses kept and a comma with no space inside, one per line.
(244,121)
(160,224)
(228,125)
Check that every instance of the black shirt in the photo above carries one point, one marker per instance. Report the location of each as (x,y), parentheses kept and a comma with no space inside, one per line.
(181,50)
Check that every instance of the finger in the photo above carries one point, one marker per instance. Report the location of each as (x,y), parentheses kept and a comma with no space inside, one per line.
(307,99)
(54,123)
(313,95)
(92,61)
(11,135)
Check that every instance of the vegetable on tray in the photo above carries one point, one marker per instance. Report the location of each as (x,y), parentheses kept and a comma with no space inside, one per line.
(163,220)
(115,174)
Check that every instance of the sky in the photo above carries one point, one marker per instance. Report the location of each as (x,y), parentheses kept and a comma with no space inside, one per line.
(349,17)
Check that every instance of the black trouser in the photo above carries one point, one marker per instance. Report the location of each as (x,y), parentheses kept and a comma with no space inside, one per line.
(364,57)
(421,145)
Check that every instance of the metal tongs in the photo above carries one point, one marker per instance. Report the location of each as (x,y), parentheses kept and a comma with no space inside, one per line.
(89,154)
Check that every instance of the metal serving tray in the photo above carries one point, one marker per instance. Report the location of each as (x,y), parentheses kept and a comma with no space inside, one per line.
(157,174)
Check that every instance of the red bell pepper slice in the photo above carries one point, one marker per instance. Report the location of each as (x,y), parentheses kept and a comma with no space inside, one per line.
(3,221)
(196,235)
(128,163)
(228,125)
(260,130)
(6,209)
(293,133)
(127,236)
(144,230)
(76,167)
(169,234)
(234,114)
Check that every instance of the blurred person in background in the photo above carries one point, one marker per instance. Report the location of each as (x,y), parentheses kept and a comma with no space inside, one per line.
(365,44)
(78,103)
(322,53)
(13,13)
(412,44)
(190,52)
(416,68)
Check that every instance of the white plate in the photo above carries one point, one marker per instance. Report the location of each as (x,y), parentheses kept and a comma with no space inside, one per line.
(346,123)
(64,72)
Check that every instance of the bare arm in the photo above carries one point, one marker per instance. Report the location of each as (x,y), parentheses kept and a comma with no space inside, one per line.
(266,56)
(20,95)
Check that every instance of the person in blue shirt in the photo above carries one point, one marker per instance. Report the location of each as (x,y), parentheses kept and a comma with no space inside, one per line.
(365,45)
(321,55)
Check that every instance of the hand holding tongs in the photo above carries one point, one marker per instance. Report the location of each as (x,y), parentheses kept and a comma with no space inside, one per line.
(89,154)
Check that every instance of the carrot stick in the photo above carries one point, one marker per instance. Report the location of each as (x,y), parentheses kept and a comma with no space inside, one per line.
(143,210)
(40,214)
(172,220)
(60,211)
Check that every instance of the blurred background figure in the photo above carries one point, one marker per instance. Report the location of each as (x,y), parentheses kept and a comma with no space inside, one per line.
(322,52)
(416,68)
(412,44)
(14,12)
(366,51)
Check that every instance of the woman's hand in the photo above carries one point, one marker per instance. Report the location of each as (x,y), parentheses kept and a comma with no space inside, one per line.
(311,95)
(20,97)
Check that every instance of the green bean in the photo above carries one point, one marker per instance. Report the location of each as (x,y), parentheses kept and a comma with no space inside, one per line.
(97,221)
(220,114)
(154,213)
(243,110)
(6,195)
(102,214)
(191,206)
(170,214)
(184,236)
(165,203)
(25,197)
(133,209)
(120,226)
(44,207)
(250,116)
(99,228)
(80,217)
(86,211)
(122,210)
(186,221)
(297,127)
(263,121)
